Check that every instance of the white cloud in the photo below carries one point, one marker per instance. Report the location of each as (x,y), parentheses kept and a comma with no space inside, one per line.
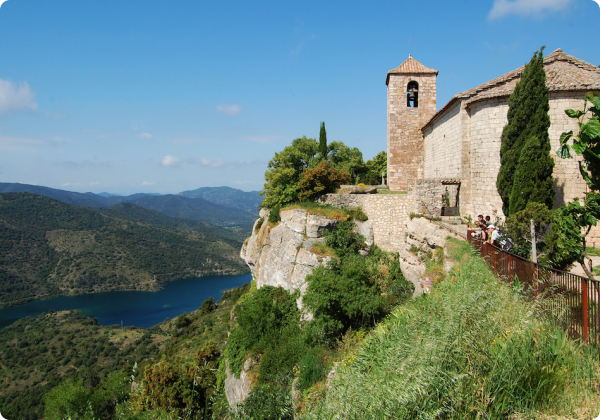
(15,98)
(148,183)
(146,135)
(206,162)
(529,8)
(18,144)
(230,110)
(170,161)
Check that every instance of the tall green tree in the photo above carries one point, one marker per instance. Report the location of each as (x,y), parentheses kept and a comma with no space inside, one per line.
(527,117)
(322,142)
(533,176)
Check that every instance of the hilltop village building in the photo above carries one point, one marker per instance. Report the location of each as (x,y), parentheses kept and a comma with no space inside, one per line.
(455,152)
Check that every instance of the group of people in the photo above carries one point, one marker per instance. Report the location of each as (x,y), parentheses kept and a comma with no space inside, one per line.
(485,230)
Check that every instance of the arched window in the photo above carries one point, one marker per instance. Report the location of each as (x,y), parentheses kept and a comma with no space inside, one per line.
(412,95)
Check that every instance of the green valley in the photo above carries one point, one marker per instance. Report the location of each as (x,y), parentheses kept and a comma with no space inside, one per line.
(50,248)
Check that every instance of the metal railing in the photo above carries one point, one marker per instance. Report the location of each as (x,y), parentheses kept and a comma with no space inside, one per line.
(571,300)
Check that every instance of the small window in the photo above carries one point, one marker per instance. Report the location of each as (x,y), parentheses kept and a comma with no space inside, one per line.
(412,95)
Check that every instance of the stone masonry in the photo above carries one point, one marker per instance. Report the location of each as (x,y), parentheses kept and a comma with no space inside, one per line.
(462,140)
(404,138)
(388,213)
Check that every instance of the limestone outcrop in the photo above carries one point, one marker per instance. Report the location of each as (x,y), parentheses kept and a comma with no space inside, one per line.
(422,235)
(237,389)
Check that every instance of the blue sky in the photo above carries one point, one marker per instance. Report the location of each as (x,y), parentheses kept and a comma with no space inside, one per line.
(165,96)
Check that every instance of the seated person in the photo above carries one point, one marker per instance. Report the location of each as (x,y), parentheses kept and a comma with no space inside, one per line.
(493,234)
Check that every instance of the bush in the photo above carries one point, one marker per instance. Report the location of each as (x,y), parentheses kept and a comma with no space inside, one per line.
(321,180)
(262,318)
(343,238)
(274,216)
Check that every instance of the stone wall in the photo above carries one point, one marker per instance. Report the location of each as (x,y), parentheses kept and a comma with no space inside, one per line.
(443,146)
(405,139)
(388,213)
(487,120)
(429,196)
(482,123)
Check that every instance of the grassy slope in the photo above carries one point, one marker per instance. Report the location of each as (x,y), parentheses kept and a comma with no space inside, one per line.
(470,349)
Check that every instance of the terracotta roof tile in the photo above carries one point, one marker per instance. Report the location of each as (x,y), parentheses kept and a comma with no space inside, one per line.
(563,73)
(410,66)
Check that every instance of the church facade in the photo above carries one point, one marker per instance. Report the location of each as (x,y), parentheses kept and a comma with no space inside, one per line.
(455,152)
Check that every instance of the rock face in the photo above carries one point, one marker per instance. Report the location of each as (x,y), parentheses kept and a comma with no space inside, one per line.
(424,235)
(237,389)
(281,255)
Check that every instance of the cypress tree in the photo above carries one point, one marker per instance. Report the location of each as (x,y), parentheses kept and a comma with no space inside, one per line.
(533,176)
(323,142)
(527,117)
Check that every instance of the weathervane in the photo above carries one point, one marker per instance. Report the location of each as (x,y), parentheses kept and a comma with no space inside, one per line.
(410,47)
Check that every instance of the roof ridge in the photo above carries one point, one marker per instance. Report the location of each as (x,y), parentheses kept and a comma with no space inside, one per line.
(410,66)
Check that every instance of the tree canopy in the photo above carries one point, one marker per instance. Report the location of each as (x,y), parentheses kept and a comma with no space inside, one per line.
(298,172)
(528,117)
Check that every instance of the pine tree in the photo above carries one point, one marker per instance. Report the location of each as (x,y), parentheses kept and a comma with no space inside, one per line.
(533,176)
(322,143)
(527,117)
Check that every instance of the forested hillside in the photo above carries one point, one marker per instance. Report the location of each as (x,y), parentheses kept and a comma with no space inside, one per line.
(62,364)
(221,206)
(38,353)
(48,248)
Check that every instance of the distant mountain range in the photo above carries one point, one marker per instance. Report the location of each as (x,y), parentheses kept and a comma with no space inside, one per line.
(50,248)
(222,206)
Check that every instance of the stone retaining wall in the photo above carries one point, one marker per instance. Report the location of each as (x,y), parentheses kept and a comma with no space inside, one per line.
(388,213)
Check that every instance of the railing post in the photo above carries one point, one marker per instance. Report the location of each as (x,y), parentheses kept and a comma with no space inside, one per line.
(585,310)
(496,261)
(510,279)
(535,280)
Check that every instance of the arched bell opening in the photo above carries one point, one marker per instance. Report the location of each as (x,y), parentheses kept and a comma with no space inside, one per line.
(412,95)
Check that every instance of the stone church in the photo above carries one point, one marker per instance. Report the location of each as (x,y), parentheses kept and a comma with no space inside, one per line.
(455,152)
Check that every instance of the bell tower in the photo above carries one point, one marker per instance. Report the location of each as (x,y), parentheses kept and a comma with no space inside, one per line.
(411,102)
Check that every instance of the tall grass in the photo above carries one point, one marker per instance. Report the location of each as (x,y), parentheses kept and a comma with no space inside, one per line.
(472,348)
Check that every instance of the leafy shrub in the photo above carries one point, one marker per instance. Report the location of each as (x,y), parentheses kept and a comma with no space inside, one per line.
(321,180)
(262,319)
(266,402)
(274,216)
(343,296)
(258,224)
(343,238)
(358,214)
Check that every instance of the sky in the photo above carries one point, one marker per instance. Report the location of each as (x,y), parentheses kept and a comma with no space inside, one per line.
(155,96)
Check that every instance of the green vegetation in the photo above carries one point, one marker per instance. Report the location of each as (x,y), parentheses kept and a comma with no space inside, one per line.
(299,172)
(572,223)
(38,353)
(329,211)
(533,180)
(321,180)
(322,142)
(352,293)
(471,348)
(525,137)
(87,371)
(49,248)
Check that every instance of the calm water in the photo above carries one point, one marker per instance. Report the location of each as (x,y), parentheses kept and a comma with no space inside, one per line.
(141,309)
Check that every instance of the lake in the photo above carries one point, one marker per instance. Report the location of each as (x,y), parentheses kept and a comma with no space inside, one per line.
(140,309)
